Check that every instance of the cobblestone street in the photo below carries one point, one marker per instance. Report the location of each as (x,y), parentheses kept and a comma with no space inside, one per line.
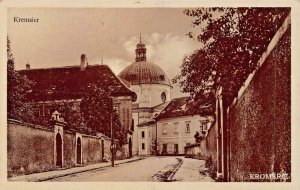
(148,169)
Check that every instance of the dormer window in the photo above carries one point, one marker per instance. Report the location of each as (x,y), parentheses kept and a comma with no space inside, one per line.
(162,77)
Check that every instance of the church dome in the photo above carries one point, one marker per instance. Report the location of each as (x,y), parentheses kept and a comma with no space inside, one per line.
(144,72)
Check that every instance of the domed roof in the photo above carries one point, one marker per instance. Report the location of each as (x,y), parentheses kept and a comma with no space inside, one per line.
(144,72)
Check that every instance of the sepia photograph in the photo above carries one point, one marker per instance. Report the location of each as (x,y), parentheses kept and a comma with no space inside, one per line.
(151,94)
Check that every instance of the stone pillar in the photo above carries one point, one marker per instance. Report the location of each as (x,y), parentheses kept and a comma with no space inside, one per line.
(58,126)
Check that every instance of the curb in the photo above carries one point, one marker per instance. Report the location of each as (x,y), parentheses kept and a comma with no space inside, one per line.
(175,170)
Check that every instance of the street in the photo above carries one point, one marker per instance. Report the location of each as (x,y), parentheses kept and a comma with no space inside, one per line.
(148,169)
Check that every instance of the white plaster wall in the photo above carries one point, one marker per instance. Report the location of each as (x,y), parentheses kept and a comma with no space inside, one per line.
(146,140)
(182,137)
(135,134)
(149,95)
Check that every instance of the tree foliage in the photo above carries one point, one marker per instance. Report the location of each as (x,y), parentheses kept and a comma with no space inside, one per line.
(98,112)
(233,39)
(18,87)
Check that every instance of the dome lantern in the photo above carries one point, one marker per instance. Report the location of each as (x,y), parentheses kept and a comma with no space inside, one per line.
(140,51)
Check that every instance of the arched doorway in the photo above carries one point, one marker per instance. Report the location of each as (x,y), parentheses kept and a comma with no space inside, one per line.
(78,149)
(130,147)
(58,150)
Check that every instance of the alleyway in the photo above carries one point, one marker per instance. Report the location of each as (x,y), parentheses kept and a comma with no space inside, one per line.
(149,169)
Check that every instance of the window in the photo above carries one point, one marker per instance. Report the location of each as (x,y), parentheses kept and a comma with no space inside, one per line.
(203,125)
(143,134)
(165,128)
(143,146)
(187,127)
(132,125)
(163,96)
(176,124)
(117,109)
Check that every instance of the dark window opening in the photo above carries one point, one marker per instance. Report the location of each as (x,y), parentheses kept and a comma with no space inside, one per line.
(143,146)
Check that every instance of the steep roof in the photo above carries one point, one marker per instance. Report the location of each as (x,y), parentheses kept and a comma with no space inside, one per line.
(72,82)
(184,107)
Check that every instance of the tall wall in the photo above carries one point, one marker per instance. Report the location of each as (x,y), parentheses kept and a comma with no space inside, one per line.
(32,148)
(211,147)
(259,122)
(69,149)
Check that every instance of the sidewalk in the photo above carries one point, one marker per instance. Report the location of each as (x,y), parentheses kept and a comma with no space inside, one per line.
(43,176)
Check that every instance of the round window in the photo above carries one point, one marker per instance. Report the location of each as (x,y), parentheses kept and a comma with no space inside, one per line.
(163,96)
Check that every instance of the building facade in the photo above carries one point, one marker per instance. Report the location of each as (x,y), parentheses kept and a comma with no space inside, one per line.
(153,90)
(178,123)
(56,88)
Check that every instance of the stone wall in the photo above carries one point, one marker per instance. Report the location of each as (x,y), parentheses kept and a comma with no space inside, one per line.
(211,147)
(69,149)
(197,150)
(91,149)
(29,149)
(259,121)
(32,148)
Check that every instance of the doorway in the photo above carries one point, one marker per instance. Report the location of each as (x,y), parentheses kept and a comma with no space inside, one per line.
(58,150)
(175,149)
(78,150)
(102,150)
(130,148)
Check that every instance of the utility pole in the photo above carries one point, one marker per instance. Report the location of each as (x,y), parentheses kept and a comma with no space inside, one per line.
(156,151)
(112,146)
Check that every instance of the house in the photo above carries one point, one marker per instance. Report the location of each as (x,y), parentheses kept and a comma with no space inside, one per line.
(179,122)
(57,86)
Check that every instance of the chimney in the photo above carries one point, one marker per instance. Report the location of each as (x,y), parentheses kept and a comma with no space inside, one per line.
(27,66)
(83,61)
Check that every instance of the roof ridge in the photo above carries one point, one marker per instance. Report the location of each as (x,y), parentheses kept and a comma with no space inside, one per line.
(63,67)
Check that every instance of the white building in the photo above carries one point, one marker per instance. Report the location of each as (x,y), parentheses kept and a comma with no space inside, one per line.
(178,123)
(153,89)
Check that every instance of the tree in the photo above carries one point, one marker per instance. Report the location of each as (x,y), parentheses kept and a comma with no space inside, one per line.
(234,39)
(18,87)
(98,112)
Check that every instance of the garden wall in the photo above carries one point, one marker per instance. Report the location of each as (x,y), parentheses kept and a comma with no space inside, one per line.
(260,120)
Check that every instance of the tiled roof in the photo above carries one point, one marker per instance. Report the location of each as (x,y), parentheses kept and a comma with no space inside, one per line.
(72,82)
(184,107)
(144,72)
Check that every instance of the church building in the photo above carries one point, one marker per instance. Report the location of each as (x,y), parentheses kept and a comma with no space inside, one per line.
(153,89)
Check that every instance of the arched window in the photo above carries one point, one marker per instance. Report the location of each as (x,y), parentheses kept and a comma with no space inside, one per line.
(163,96)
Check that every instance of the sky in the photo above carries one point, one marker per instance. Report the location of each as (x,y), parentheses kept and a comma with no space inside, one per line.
(63,34)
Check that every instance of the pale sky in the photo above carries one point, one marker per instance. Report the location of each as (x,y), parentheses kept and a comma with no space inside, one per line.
(63,34)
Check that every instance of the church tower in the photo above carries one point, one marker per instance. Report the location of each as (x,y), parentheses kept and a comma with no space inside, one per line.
(152,87)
